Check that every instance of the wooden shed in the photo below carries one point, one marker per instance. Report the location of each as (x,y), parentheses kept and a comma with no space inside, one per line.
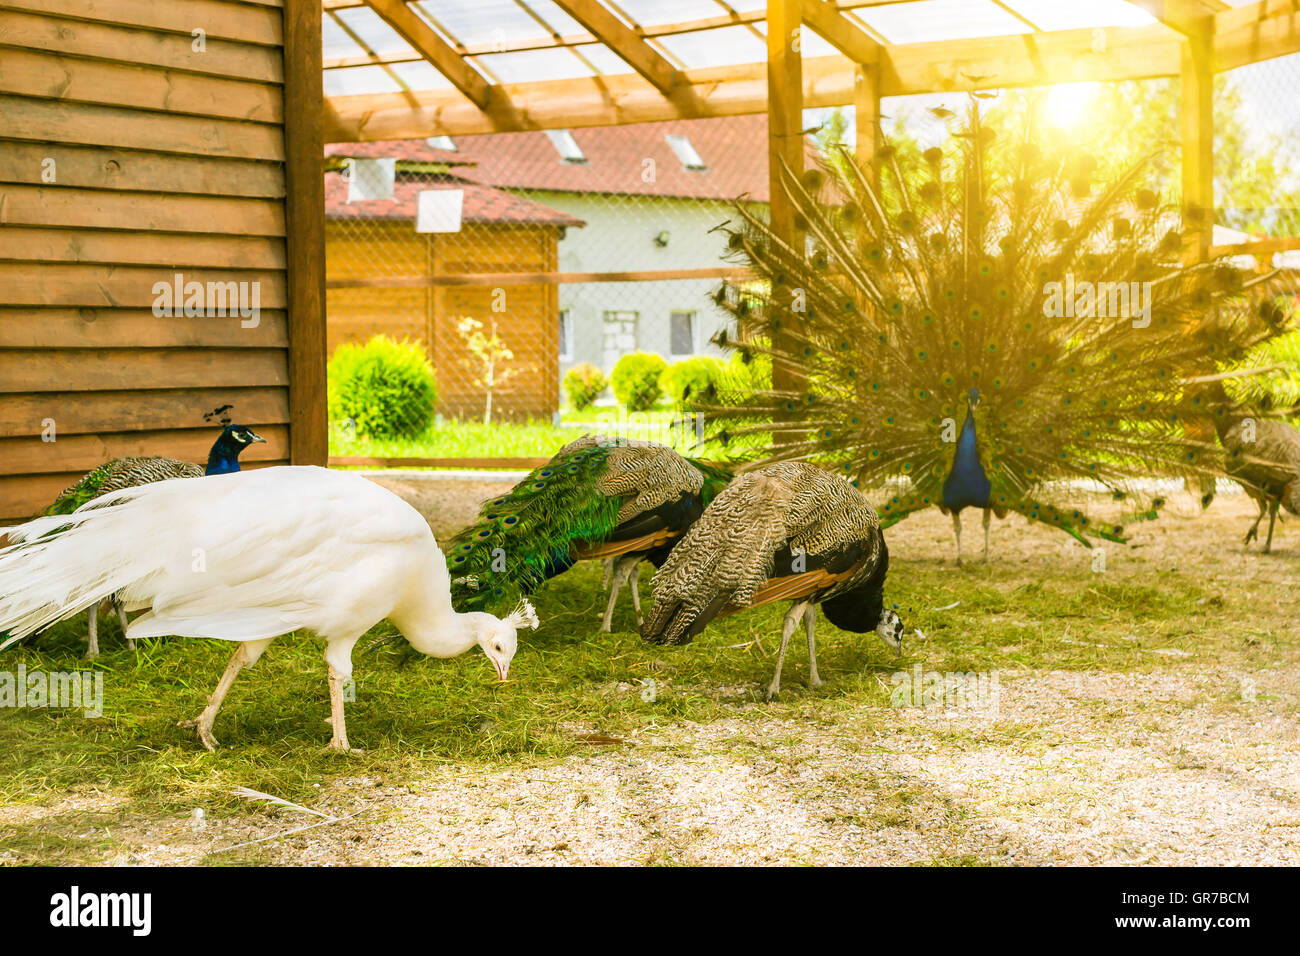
(499,233)
(148,146)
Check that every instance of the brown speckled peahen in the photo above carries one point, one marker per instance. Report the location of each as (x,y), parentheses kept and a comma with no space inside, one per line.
(785,532)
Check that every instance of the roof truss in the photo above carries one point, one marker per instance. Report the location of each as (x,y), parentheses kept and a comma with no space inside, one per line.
(658,90)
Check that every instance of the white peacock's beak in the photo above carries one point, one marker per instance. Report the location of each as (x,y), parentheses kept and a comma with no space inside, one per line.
(502,669)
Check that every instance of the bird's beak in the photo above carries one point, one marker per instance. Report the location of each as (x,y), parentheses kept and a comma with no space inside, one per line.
(502,670)
(256,436)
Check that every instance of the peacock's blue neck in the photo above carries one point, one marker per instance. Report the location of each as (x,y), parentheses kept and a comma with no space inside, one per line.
(967,485)
(224,457)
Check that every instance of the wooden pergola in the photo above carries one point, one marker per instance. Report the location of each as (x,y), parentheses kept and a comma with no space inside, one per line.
(1189,39)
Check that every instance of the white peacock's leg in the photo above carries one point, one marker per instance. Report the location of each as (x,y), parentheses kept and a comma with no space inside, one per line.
(246,655)
(1272,519)
(956,529)
(988,518)
(809,623)
(339,739)
(791,622)
(121,618)
(92,631)
(338,655)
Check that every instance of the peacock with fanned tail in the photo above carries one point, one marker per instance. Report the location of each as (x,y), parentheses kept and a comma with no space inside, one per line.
(980,323)
(598,498)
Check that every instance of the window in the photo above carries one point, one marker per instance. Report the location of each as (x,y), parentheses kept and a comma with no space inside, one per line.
(681,333)
(691,160)
(566,145)
(620,336)
(566,335)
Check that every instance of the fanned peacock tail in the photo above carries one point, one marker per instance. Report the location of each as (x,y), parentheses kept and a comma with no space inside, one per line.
(958,287)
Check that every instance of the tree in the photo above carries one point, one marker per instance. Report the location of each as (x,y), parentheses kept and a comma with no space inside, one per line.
(491,352)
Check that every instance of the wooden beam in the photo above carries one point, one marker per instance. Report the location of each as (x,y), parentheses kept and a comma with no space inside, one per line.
(1261,31)
(1180,15)
(866,118)
(785,151)
(826,20)
(434,49)
(622,39)
(304,112)
(536,278)
(1196,115)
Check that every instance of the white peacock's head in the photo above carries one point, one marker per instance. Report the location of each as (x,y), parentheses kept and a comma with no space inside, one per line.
(499,637)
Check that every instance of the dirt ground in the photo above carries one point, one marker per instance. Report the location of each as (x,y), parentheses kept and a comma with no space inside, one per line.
(1163,766)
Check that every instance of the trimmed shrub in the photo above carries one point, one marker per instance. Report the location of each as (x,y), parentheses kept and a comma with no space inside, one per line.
(583,384)
(635,380)
(686,380)
(386,387)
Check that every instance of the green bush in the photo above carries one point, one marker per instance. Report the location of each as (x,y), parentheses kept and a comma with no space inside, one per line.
(386,387)
(583,384)
(635,380)
(686,380)
(752,376)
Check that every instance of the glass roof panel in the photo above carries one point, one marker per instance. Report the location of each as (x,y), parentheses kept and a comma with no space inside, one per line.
(421,75)
(481,22)
(650,13)
(530,65)
(359,79)
(721,47)
(605,60)
(927,20)
(1055,15)
(336,41)
(373,31)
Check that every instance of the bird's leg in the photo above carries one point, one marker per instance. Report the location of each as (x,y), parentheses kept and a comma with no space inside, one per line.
(339,739)
(636,592)
(956,528)
(1272,519)
(609,572)
(92,631)
(791,622)
(121,618)
(988,518)
(203,723)
(622,569)
(1253,533)
(809,622)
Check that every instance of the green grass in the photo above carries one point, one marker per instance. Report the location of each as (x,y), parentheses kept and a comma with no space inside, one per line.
(566,679)
(532,439)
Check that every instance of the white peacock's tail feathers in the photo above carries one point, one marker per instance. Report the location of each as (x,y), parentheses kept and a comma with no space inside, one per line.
(523,616)
(966,268)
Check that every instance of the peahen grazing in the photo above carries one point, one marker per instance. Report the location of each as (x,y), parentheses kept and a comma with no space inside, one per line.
(223,458)
(247,557)
(983,323)
(598,498)
(1263,456)
(784,532)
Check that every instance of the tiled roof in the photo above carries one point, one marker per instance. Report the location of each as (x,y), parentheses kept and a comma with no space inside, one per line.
(733,148)
(481,203)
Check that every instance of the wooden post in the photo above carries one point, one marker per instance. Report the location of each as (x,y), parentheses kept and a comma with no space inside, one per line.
(784,143)
(304,113)
(1197,118)
(866,117)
